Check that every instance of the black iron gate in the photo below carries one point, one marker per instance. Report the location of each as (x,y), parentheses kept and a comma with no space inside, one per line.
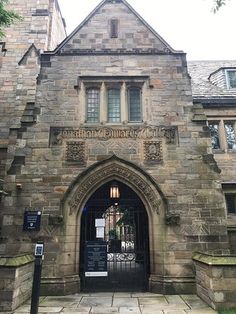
(123,230)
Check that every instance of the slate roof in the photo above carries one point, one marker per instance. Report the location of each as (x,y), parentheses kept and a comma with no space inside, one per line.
(201,85)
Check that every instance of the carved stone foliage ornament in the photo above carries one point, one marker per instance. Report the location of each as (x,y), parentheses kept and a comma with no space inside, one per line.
(57,135)
(153,152)
(93,179)
(75,152)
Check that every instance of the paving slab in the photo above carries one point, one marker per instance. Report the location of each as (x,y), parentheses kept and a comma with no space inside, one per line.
(50,309)
(130,310)
(174,312)
(96,301)
(157,301)
(151,310)
(71,302)
(174,299)
(122,295)
(105,310)
(145,295)
(125,302)
(79,310)
(201,311)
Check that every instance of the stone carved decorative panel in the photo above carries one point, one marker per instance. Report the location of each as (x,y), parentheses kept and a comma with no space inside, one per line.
(75,152)
(153,152)
(58,135)
(111,171)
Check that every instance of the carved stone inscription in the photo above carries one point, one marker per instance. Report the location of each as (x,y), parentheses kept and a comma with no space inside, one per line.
(153,152)
(75,152)
(57,135)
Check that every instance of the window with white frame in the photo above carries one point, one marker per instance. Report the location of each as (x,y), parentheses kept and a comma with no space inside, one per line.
(231,78)
(223,134)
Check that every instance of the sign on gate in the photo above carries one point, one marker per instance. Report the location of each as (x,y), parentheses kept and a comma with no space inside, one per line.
(96,259)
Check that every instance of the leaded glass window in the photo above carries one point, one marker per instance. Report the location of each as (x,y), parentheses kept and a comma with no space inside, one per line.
(230,135)
(214,130)
(113,105)
(231,76)
(134,96)
(93,104)
(231,203)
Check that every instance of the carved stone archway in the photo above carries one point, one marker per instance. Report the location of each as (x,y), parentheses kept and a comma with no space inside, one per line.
(87,183)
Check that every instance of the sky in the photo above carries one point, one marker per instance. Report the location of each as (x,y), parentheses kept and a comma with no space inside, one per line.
(188,25)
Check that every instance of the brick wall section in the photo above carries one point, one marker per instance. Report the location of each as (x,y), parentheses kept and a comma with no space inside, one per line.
(16,275)
(216,280)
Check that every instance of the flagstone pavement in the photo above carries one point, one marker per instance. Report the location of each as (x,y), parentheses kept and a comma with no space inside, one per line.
(122,303)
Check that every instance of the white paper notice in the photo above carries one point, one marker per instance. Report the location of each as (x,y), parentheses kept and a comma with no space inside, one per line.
(100,222)
(100,232)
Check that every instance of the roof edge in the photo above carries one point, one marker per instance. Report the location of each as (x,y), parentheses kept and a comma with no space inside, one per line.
(173,51)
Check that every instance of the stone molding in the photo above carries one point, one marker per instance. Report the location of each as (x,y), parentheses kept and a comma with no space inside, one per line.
(16,261)
(114,168)
(214,259)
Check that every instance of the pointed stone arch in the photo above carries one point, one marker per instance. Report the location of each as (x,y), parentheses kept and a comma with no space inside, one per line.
(88,182)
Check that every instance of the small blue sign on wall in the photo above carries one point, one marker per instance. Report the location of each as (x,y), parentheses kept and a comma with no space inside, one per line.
(32,220)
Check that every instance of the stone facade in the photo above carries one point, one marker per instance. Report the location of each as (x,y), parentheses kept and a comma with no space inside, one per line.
(57,159)
(215,278)
(15,281)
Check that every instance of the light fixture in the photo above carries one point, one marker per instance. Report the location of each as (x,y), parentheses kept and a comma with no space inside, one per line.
(114,190)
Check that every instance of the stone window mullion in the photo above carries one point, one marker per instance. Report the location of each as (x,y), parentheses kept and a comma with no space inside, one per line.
(103,103)
(123,102)
(223,141)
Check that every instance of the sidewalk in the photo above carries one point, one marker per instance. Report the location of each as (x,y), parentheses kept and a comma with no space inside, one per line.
(122,303)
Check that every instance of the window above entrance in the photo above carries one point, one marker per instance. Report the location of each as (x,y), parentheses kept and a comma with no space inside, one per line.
(112,100)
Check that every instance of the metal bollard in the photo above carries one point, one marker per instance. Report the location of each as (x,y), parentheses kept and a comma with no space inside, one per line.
(39,247)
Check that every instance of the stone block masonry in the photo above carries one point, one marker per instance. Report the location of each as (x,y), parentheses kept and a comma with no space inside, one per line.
(16,275)
(216,280)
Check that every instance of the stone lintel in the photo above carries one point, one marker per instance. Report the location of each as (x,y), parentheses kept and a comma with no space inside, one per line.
(16,261)
(215,260)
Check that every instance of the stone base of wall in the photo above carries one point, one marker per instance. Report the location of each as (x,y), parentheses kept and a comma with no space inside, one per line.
(172,285)
(16,277)
(216,280)
(60,286)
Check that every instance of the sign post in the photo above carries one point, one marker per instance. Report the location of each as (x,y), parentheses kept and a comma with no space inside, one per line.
(39,248)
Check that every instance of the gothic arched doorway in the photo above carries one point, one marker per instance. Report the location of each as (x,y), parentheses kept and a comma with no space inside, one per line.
(114,241)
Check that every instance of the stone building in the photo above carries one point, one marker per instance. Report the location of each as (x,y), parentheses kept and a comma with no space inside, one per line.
(108,110)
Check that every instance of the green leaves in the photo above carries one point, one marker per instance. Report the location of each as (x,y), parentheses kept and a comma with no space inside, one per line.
(7,17)
(218,4)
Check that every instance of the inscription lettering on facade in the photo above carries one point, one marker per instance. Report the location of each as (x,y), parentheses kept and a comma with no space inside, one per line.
(153,152)
(104,133)
(75,152)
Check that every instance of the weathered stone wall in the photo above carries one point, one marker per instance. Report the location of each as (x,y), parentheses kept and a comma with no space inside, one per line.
(20,59)
(189,214)
(16,277)
(216,280)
